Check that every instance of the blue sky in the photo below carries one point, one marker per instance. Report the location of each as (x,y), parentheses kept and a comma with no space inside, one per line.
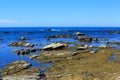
(80,13)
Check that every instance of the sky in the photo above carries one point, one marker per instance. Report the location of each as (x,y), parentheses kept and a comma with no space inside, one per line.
(62,13)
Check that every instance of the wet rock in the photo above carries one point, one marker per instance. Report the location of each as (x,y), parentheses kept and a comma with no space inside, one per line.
(84,38)
(93,51)
(79,33)
(22,44)
(22,38)
(53,46)
(117,32)
(33,56)
(95,39)
(26,77)
(102,46)
(6,32)
(74,53)
(24,52)
(59,36)
(114,42)
(28,45)
(15,67)
(81,47)
(38,49)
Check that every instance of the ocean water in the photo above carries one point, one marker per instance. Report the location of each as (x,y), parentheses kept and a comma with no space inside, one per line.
(37,35)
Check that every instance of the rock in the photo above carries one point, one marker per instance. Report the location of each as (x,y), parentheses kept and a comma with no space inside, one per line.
(15,67)
(6,32)
(74,53)
(91,46)
(95,39)
(26,77)
(92,52)
(22,38)
(102,46)
(84,38)
(79,33)
(28,45)
(59,36)
(23,52)
(83,47)
(53,46)
(22,44)
(33,50)
(33,56)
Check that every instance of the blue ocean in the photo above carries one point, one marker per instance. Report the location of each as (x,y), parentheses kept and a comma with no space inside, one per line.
(37,35)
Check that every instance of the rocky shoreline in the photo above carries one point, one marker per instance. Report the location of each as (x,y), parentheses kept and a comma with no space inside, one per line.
(79,62)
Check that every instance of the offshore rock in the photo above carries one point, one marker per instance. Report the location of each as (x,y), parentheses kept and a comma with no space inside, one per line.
(84,38)
(22,38)
(22,44)
(59,36)
(79,33)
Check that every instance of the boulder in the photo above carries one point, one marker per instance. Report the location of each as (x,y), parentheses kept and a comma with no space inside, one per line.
(53,46)
(22,38)
(79,33)
(84,38)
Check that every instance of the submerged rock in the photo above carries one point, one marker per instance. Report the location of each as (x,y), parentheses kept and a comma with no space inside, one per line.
(113,57)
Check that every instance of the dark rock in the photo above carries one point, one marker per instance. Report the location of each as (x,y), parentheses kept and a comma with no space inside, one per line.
(95,39)
(59,36)
(24,52)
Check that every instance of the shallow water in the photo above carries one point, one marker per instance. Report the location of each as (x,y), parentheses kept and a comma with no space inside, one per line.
(38,36)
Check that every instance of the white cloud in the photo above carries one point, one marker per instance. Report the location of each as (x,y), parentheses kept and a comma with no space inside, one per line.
(12,21)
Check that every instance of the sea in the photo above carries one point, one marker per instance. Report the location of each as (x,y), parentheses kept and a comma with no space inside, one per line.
(37,35)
